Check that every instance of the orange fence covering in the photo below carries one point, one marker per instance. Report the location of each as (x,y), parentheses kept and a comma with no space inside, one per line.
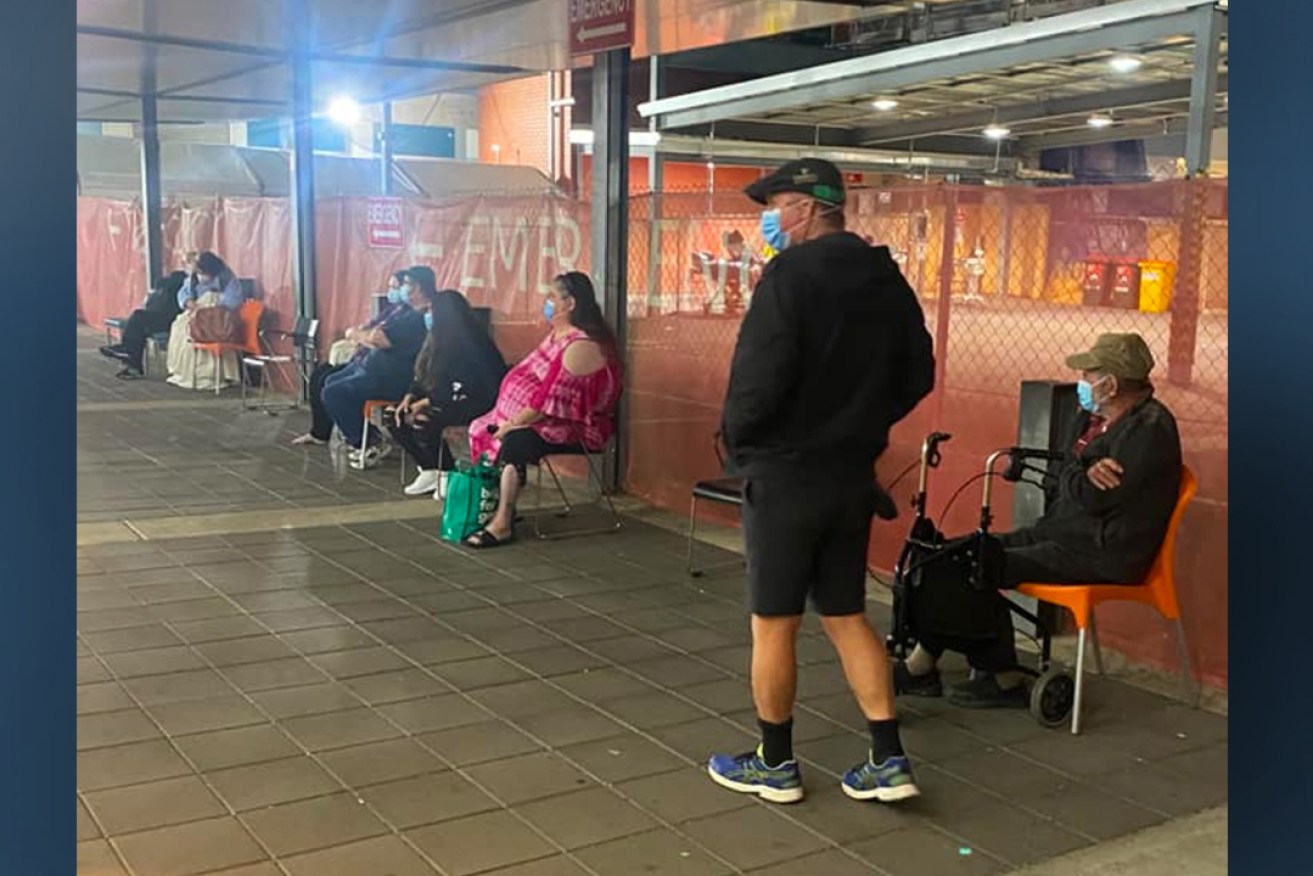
(1011,279)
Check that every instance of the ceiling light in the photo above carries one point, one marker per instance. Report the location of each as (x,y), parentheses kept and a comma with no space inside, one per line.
(996,132)
(1099,121)
(884,104)
(344,111)
(1125,64)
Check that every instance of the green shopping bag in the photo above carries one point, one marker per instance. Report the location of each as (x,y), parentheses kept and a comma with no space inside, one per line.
(472,495)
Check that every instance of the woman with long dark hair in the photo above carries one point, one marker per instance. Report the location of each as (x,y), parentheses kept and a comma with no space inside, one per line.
(560,399)
(456,377)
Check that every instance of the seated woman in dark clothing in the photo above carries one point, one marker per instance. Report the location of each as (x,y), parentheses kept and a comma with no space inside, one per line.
(159,312)
(1109,504)
(456,378)
(560,399)
(384,372)
(321,424)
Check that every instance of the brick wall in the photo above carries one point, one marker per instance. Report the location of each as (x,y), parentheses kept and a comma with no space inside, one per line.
(513,115)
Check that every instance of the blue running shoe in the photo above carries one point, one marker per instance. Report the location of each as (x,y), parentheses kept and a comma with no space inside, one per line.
(887,782)
(749,774)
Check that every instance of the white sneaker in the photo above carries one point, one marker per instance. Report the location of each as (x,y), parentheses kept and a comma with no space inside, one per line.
(440,494)
(370,458)
(425,482)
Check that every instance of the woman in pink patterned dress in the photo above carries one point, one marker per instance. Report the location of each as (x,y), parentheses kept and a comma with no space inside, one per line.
(560,399)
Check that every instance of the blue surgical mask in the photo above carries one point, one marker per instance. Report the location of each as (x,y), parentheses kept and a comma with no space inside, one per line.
(771,231)
(549,309)
(428,320)
(1085,395)
(397,295)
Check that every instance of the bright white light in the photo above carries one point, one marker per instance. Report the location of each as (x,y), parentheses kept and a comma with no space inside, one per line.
(646,139)
(996,132)
(344,111)
(1099,121)
(884,104)
(1125,64)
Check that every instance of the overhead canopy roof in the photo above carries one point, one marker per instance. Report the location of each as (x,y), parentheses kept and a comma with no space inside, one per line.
(1041,79)
(111,167)
(228,59)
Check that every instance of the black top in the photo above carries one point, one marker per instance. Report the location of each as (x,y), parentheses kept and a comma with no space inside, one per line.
(473,375)
(405,331)
(1120,530)
(833,352)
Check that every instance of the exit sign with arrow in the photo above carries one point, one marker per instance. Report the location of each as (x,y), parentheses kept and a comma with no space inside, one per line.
(600,25)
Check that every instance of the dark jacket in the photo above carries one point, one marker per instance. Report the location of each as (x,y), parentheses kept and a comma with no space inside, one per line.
(164,300)
(470,375)
(395,366)
(832,353)
(1119,530)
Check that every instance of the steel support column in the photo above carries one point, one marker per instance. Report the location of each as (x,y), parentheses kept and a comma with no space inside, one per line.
(610,202)
(1203,90)
(385,150)
(303,161)
(656,183)
(151,195)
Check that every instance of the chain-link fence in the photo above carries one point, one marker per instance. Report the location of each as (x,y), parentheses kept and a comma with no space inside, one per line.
(1012,280)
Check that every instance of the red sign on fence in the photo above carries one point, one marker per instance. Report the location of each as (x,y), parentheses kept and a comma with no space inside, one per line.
(385,223)
(600,25)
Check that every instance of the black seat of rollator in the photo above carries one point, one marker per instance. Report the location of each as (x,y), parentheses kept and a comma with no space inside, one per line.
(727,490)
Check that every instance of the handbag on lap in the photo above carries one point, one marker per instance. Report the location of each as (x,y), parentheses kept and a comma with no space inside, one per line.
(215,325)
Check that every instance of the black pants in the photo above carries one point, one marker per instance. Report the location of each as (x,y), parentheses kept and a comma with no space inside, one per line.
(138,329)
(424,442)
(1026,558)
(321,424)
(525,447)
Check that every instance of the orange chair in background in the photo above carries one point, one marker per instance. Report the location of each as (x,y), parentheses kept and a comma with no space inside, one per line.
(1157,591)
(250,314)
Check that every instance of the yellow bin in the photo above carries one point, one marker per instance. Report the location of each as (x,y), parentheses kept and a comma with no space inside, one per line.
(1156,285)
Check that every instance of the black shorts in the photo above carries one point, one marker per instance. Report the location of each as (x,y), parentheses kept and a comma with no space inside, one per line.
(807,540)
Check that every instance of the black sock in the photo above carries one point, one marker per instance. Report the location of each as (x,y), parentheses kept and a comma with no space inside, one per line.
(776,741)
(884,740)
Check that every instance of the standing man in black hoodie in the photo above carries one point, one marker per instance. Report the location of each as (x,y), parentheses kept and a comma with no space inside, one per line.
(832,353)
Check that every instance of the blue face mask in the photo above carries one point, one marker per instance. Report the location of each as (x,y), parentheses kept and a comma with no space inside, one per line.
(549,309)
(428,320)
(774,235)
(397,295)
(1085,395)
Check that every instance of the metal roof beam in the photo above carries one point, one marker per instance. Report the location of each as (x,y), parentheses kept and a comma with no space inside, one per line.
(1140,95)
(1131,131)
(1116,26)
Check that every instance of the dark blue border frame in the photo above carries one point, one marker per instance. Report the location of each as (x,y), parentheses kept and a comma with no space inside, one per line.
(37,489)
(1271,334)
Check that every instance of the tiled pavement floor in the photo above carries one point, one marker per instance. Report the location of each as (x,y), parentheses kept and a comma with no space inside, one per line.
(363,699)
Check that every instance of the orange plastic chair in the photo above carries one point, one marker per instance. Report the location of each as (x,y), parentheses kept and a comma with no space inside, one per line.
(250,314)
(1157,591)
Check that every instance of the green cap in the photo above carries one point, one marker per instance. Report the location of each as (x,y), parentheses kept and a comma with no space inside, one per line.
(1126,356)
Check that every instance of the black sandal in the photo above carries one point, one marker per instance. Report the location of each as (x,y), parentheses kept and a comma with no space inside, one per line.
(129,374)
(483,539)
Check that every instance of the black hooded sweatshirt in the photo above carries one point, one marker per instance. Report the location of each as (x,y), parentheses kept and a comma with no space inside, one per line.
(832,353)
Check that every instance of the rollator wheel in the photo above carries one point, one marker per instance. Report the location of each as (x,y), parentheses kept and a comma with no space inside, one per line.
(1052,696)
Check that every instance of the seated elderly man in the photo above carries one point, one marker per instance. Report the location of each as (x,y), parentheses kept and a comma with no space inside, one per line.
(1109,503)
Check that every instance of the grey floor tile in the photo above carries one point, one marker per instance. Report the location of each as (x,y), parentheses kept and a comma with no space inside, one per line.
(271,783)
(529,777)
(378,762)
(98,858)
(155,661)
(621,758)
(831,863)
(132,639)
(923,851)
(480,672)
(570,726)
(557,660)
(198,847)
(479,843)
(90,670)
(200,716)
(359,661)
(328,640)
(603,684)
(682,795)
(479,743)
(586,818)
(384,855)
(86,827)
(557,865)
(1083,809)
(273,674)
(655,709)
(218,629)
(238,652)
(434,713)
(315,699)
(698,740)
(220,749)
(1012,835)
(399,686)
(657,852)
(309,825)
(340,729)
(754,837)
(128,764)
(427,799)
(154,804)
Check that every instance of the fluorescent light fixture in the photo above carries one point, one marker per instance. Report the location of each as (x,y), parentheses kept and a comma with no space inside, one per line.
(1099,121)
(1125,64)
(996,131)
(884,104)
(344,111)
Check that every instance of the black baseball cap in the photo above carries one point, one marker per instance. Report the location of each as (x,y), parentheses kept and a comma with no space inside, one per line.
(815,177)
